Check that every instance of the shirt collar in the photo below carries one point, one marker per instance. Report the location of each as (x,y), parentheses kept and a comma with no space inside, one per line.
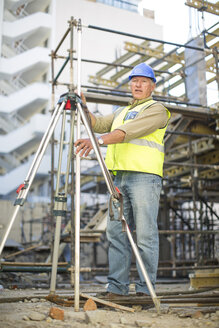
(135,102)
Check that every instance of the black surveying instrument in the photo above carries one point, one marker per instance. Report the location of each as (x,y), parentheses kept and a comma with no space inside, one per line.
(70,101)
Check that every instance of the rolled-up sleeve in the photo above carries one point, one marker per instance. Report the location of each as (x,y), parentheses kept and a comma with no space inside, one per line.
(103,123)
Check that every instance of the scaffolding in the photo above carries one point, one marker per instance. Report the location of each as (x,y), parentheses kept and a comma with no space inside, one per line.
(189,208)
(188,217)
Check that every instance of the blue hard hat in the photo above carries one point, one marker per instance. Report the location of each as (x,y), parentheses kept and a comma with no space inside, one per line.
(143,70)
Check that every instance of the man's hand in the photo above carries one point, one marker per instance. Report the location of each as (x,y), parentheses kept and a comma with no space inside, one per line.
(83,98)
(83,146)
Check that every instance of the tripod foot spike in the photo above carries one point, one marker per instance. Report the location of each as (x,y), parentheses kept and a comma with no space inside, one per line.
(157,304)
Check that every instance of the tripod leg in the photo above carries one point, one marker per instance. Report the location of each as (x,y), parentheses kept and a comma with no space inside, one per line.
(55,255)
(143,270)
(97,151)
(32,172)
(60,207)
(58,212)
(113,193)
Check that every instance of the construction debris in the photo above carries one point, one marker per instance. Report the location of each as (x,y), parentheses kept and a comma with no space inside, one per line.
(107,303)
(90,305)
(204,278)
(28,308)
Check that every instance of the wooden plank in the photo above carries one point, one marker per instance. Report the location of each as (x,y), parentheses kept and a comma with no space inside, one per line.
(107,303)
(23,251)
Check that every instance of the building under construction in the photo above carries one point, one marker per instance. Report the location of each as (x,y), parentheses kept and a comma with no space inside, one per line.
(188,217)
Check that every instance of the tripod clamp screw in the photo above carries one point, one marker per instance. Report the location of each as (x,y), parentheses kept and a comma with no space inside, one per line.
(71,99)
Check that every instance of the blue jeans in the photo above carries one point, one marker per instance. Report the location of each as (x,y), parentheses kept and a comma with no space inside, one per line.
(141,194)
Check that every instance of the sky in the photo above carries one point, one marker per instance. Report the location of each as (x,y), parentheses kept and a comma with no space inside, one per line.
(174,16)
(180,24)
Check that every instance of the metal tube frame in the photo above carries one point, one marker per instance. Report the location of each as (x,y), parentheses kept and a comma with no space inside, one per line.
(78,185)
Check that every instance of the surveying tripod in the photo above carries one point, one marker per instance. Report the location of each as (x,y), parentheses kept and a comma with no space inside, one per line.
(71,101)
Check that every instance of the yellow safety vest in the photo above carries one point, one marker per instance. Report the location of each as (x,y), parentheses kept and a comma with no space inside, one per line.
(144,154)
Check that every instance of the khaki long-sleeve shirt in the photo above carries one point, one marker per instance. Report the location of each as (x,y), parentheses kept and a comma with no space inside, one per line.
(151,119)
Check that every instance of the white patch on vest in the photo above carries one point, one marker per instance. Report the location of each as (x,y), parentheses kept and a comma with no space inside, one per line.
(130,115)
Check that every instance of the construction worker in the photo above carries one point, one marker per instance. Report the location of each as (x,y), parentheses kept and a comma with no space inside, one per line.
(135,154)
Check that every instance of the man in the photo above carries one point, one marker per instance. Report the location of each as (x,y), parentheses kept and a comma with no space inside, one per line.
(135,155)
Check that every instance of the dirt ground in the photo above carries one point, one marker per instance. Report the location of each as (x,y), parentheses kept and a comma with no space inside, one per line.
(29,309)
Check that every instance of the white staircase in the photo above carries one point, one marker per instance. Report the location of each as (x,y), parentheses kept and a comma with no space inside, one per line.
(22,136)
(28,30)
(30,65)
(24,88)
(26,101)
(11,181)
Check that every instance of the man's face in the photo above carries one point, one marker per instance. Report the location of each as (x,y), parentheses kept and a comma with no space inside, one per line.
(141,87)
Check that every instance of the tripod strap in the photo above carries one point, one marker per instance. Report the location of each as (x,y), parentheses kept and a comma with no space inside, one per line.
(117,205)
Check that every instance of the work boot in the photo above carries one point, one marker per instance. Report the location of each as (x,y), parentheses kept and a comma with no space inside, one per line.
(141,294)
(110,295)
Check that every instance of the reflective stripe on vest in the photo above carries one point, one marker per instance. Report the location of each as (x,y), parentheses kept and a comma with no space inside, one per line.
(143,142)
(144,154)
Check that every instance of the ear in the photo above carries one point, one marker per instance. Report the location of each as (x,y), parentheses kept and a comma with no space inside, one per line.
(153,86)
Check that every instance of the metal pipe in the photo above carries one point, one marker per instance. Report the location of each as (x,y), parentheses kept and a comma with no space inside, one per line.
(61,41)
(202,232)
(70,160)
(52,160)
(202,166)
(142,37)
(30,264)
(71,55)
(65,268)
(32,269)
(215,24)
(123,66)
(61,70)
(155,97)
(77,184)
(192,134)
(128,95)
